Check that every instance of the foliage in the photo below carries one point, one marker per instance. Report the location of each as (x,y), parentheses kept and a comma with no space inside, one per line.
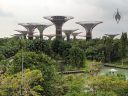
(34,61)
(2,57)
(93,68)
(74,85)
(75,57)
(123,44)
(59,46)
(40,70)
(10,85)
(104,84)
(39,46)
(10,51)
(9,47)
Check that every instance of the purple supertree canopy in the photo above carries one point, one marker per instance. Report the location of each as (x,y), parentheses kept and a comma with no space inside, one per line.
(30,28)
(50,36)
(58,21)
(75,34)
(70,31)
(112,35)
(89,25)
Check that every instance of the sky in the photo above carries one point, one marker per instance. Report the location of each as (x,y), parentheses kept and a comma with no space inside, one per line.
(13,12)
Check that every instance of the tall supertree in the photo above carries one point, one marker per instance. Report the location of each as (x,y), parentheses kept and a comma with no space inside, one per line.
(89,25)
(23,32)
(68,33)
(41,28)
(30,28)
(50,36)
(58,21)
(112,36)
(75,34)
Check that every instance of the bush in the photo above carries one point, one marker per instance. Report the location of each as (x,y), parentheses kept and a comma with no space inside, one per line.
(2,57)
(75,57)
(32,61)
(11,84)
(39,46)
(59,46)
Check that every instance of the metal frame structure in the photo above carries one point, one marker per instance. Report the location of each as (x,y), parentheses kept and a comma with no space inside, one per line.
(22,32)
(58,21)
(30,28)
(89,25)
(75,34)
(68,33)
(112,36)
(50,36)
(42,27)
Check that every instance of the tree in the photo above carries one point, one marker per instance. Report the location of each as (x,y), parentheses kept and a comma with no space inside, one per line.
(10,85)
(100,48)
(108,49)
(123,45)
(76,57)
(90,53)
(59,46)
(39,46)
(115,54)
(106,84)
(33,61)
(2,57)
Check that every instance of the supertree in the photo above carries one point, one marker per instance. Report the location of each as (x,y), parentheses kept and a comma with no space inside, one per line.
(89,25)
(30,28)
(68,33)
(42,27)
(23,32)
(58,21)
(112,36)
(50,36)
(75,34)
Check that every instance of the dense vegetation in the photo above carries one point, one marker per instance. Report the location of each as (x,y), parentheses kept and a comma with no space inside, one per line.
(41,59)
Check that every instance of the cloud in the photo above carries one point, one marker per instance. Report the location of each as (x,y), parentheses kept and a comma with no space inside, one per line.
(5,14)
(82,10)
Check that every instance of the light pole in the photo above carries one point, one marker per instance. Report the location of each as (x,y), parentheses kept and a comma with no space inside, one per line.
(22,69)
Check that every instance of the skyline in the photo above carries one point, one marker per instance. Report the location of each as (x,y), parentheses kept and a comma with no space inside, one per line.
(21,11)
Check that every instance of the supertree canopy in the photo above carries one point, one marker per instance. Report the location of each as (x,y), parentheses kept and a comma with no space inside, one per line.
(58,21)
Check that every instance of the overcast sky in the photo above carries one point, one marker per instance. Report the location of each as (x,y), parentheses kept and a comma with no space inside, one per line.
(18,11)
